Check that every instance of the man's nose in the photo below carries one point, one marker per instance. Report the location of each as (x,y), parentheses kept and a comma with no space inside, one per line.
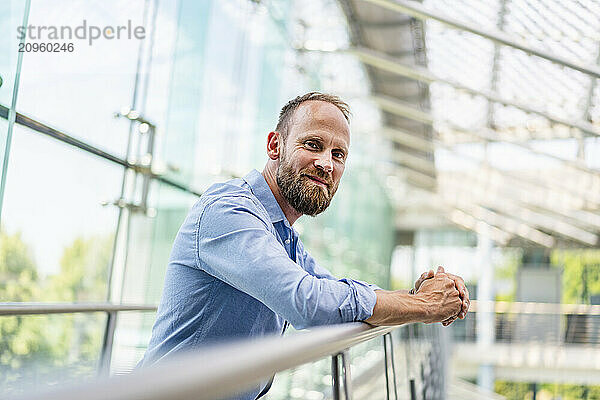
(324,162)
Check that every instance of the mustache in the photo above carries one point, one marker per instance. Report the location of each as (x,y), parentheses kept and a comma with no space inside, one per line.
(324,176)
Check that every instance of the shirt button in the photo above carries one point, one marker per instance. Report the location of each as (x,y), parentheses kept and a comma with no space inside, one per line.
(287,241)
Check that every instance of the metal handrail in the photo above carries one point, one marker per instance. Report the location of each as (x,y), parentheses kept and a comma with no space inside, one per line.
(7,309)
(223,370)
(507,307)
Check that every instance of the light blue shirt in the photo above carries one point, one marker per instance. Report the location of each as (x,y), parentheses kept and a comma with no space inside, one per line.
(239,270)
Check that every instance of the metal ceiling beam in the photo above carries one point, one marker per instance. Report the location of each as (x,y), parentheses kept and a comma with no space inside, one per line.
(492,135)
(401,53)
(576,167)
(476,193)
(568,219)
(590,95)
(385,62)
(532,196)
(507,224)
(417,175)
(418,11)
(495,63)
(500,227)
(384,24)
(588,106)
(408,139)
(502,188)
(419,163)
(400,108)
(467,220)
(473,216)
(506,219)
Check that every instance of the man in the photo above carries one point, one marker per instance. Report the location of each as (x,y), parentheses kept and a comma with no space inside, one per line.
(239,270)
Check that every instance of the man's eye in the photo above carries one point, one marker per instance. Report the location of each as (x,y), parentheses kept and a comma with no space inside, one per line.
(312,145)
(338,154)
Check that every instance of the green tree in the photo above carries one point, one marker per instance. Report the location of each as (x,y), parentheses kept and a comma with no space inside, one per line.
(22,339)
(83,277)
(42,350)
(513,390)
(581,273)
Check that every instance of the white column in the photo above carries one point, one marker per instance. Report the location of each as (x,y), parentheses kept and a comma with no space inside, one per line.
(485,309)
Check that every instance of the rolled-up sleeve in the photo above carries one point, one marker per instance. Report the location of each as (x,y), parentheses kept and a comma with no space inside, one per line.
(235,243)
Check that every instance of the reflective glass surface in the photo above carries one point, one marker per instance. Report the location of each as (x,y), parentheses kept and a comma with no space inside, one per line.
(132,334)
(3,136)
(54,219)
(11,16)
(149,243)
(148,247)
(97,87)
(39,351)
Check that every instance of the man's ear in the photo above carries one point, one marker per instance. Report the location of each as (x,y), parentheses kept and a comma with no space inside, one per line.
(274,145)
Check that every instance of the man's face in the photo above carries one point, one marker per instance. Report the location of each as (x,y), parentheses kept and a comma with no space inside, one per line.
(313,156)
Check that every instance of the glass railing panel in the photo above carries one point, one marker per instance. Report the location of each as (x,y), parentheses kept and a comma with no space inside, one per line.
(132,335)
(40,351)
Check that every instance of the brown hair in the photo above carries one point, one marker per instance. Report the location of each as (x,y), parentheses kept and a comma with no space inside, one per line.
(287,112)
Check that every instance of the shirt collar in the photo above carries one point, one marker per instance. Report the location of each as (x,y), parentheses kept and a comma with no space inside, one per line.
(263,193)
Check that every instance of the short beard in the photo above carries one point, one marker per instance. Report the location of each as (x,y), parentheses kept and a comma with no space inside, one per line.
(303,195)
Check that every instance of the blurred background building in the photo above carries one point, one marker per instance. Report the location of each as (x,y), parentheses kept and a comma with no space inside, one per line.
(474,146)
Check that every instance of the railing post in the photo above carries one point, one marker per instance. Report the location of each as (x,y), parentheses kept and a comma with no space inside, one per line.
(107,345)
(336,383)
(407,354)
(389,335)
(346,371)
(413,390)
(335,377)
(387,373)
(388,357)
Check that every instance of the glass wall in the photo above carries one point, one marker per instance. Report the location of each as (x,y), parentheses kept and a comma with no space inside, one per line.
(12,14)
(86,113)
(83,220)
(54,201)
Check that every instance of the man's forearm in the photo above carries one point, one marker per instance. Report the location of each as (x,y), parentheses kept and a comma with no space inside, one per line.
(397,308)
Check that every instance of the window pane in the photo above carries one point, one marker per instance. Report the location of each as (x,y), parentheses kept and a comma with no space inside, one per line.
(47,350)
(149,247)
(78,92)
(56,235)
(11,16)
(150,243)
(131,339)
(3,134)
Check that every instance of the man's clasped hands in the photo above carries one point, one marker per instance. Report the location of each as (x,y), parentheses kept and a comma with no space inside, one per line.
(446,285)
